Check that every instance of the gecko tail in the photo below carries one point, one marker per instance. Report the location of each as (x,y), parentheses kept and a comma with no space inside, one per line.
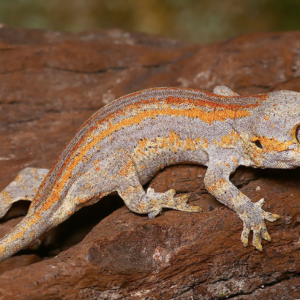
(29,229)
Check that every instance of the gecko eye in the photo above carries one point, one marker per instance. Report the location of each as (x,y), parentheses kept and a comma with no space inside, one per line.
(296,133)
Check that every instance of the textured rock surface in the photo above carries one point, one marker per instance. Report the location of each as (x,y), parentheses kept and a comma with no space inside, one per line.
(52,82)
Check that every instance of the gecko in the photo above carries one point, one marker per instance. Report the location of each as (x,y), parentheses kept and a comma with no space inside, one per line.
(123,145)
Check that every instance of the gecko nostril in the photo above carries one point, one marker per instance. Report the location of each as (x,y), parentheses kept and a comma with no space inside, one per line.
(258,144)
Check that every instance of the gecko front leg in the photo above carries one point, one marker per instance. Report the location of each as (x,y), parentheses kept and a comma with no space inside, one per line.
(23,187)
(253,216)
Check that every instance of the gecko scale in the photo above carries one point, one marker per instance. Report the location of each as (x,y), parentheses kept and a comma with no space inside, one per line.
(124,144)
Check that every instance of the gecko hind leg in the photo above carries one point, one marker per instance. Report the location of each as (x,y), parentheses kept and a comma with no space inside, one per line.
(131,191)
(23,187)
(117,173)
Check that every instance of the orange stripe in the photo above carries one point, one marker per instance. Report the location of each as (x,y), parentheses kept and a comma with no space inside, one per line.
(215,105)
(178,100)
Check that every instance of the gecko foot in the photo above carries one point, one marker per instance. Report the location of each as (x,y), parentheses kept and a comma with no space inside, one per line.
(167,200)
(253,219)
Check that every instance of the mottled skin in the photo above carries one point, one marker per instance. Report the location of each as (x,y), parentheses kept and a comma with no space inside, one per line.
(127,142)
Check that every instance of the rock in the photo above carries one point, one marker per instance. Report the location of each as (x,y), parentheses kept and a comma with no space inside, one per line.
(18,261)
(52,82)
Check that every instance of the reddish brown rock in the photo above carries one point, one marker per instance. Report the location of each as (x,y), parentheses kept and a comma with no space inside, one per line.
(17,262)
(52,82)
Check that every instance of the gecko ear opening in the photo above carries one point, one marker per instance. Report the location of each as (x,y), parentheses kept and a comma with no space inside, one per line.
(258,144)
(255,140)
(296,133)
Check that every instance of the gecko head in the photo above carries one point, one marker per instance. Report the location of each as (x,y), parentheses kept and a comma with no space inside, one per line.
(275,131)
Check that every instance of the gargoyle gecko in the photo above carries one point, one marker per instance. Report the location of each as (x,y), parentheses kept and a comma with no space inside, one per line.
(124,144)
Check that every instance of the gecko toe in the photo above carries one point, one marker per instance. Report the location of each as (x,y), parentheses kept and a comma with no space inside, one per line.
(183,206)
(170,193)
(258,246)
(265,235)
(153,214)
(261,202)
(264,232)
(197,208)
(182,199)
(245,235)
(191,208)
(270,217)
(257,238)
